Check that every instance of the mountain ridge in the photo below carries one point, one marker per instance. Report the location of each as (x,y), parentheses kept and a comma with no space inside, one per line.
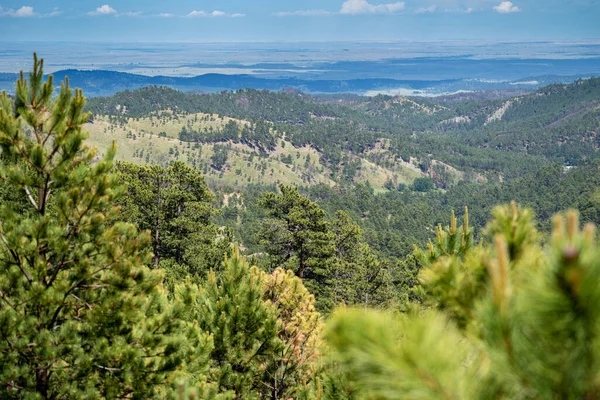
(106,82)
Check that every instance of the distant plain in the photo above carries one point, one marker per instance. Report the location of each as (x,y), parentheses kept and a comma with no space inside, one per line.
(420,68)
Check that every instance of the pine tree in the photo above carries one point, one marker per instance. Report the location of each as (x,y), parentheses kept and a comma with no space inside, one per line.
(387,356)
(265,328)
(293,364)
(532,332)
(243,327)
(297,236)
(329,382)
(449,241)
(80,315)
(452,286)
(359,276)
(175,205)
(332,258)
(204,392)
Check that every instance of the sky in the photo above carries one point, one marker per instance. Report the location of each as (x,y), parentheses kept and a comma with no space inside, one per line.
(296,20)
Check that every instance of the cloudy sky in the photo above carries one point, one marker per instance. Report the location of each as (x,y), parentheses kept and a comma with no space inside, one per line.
(297,20)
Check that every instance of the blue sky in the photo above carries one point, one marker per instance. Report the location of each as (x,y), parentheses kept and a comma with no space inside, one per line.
(295,20)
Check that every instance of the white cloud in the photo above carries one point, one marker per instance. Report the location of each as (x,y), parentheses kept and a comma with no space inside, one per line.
(165,15)
(304,13)
(364,7)
(27,12)
(104,10)
(23,12)
(131,14)
(423,10)
(506,7)
(107,10)
(355,7)
(456,10)
(55,13)
(198,14)
(349,7)
(214,14)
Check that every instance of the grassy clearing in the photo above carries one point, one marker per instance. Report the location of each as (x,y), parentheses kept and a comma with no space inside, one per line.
(138,141)
(171,124)
(377,176)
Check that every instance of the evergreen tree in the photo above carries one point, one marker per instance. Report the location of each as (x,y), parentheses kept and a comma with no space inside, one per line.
(219,157)
(333,259)
(186,391)
(532,332)
(359,276)
(449,241)
(243,327)
(297,236)
(175,205)
(451,284)
(295,362)
(80,314)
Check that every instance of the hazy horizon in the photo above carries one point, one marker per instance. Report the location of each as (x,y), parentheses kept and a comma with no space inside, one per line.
(294,20)
(517,42)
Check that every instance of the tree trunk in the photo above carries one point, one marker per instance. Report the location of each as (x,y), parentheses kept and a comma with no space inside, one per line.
(41,382)
(156,244)
(179,236)
(301,265)
(157,227)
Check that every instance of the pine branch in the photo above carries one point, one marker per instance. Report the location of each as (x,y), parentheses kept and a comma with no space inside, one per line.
(7,302)
(30,197)
(108,368)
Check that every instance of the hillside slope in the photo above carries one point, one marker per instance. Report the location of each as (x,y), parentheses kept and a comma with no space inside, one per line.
(251,136)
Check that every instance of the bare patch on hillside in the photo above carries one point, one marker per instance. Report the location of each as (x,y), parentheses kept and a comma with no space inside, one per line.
(499,113)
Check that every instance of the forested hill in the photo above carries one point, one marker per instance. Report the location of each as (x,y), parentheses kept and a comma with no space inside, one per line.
(387,160)
(446,139)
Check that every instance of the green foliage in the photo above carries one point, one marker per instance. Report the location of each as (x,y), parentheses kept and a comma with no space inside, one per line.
(423,184)
(294,365)
(516,225)
(453,285)
(243,327)
(455,274)
(360,277)
(556,124)
(265,329)
(80,314)
(175,205)
(205,392)
(401,357)
(532,330)
(330,382)
(332,258)
(449,241)
(297,237)
(219,157)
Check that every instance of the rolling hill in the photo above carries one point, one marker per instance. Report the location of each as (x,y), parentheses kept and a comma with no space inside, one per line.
(271,137)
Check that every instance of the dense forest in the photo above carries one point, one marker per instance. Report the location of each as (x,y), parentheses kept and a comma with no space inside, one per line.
(154,276)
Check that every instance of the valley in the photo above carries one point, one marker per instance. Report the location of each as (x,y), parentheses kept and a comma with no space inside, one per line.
(411,158)
(290,137)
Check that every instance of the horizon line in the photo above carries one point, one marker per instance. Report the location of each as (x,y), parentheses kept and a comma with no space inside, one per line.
(549,40)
